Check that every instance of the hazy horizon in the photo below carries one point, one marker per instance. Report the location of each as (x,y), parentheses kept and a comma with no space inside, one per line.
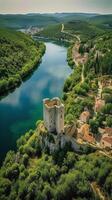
(50,6)
(31,13)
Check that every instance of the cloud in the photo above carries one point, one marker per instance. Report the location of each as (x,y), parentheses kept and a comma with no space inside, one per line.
(39,87)
(13,99)
(59,73)
(26,6)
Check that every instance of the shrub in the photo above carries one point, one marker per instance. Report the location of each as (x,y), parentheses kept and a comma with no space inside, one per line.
(12,172)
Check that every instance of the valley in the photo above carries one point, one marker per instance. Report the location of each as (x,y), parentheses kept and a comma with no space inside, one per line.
(76,162)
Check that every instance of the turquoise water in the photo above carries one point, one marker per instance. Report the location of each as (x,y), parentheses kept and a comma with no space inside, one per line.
(20,110)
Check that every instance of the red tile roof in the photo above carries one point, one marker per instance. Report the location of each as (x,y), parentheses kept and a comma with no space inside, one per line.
(85,113)
(88,138)
(108,130)
(99,104)
(84,129)
(86,135)
(108,139)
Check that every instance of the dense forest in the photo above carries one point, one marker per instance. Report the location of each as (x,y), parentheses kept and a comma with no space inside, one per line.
(19,54)
(85,29)
(100,55)
(35,172)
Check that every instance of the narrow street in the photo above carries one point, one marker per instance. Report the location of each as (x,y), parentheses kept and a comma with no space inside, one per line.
(76,52)
(99,89)
(82,74)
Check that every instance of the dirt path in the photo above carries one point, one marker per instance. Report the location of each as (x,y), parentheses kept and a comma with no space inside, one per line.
(78,58)
(105,154)
(82,74)
(62,28)
(70,34)
(97,190)
(100,88)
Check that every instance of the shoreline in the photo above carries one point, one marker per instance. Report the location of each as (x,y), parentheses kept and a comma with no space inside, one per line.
(19,78)
(33,75)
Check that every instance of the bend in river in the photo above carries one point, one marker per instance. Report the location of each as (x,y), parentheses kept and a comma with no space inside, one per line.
(20,110)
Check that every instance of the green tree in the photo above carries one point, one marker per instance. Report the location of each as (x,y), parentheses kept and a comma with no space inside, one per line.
(94,126)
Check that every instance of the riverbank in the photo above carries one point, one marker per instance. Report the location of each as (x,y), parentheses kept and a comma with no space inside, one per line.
(23,107)
(10,84)
(39,171)
(88,100)
(20,56)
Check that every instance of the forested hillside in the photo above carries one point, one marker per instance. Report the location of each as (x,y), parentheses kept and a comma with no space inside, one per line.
(104,21)
(40,20)
(84,29)
(52,32)
(18,56)
(100,56)
(36,173)
(46,165)
(24,21)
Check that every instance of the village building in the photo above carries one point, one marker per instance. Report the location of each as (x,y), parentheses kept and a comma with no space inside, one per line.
(101,131)
(71,130)
(108,131)
(99,103)
(106,141)
(84,117)
(85,134)
(89,138)
(53,113)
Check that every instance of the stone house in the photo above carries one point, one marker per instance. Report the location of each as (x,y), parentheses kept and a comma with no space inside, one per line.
(106,141)
(84,117)
(85,134)
(71,130)
(99,103)
(108,131)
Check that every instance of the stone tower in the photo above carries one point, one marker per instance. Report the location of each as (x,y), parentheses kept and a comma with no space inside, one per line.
(53,113)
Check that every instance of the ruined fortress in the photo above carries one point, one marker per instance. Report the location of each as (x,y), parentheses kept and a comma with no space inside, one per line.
(53,113)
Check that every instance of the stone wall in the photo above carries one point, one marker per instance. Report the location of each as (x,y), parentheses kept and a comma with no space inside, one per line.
(53,114)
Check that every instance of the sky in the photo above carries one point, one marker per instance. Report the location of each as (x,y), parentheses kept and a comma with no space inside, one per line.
(49,6)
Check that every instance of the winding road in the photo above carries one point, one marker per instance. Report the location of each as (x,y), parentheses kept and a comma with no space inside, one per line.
(79,40)
(70,34)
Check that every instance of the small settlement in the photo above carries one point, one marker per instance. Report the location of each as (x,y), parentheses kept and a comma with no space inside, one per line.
(54,122)
(104,137)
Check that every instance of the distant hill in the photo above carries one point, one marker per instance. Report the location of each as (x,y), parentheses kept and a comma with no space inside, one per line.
(40,20)
(65,17)
(24,21)
(43,20)
(104,21)
(84,29)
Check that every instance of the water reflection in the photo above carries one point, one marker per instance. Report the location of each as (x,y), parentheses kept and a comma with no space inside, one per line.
(21,109)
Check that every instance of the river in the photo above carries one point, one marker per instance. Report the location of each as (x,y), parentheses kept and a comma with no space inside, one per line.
(20,110)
